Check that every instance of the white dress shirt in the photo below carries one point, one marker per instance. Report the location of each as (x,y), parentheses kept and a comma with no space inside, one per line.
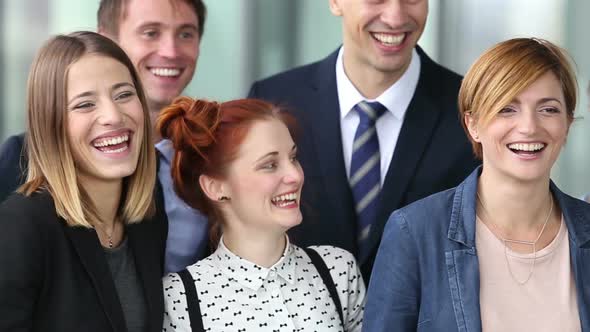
(396,99)
(238,295)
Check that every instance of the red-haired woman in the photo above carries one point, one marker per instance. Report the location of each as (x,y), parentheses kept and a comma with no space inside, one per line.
(236,162)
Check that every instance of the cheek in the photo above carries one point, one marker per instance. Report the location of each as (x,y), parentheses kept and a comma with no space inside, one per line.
(254,189)
(191,51)
(134,112)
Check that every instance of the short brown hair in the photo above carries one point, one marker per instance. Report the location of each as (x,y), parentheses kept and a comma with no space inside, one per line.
(110,13)
(51,165)
(507,69)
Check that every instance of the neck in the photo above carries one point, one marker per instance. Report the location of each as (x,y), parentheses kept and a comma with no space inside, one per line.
(368,80)
(515,207)
(106,197)
(261,248)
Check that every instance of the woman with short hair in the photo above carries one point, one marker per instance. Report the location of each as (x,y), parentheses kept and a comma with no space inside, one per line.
(506,249)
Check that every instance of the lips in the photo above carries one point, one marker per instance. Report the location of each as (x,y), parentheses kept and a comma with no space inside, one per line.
(113,143)
(287,200)
(389,39)
(166,71)
(529,148)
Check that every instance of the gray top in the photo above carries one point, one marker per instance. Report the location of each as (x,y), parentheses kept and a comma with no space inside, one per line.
(122,265)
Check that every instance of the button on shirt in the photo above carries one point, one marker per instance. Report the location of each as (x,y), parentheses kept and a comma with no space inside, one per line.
(238,295)
(187,227)
(396,99)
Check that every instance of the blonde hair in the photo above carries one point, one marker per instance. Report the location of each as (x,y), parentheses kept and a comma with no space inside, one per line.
(51,166)
(504,71)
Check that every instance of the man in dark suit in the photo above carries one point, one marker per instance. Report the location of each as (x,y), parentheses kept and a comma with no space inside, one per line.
(379,126)
(162,39)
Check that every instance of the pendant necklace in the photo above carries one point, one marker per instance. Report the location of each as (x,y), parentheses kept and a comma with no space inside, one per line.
(530,243)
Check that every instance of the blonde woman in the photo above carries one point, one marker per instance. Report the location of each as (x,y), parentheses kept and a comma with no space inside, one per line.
(506,250)
(81,248)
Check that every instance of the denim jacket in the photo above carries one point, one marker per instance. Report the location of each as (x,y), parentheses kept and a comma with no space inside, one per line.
(426,275)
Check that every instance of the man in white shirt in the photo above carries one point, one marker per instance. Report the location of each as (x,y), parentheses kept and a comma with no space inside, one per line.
(380,126)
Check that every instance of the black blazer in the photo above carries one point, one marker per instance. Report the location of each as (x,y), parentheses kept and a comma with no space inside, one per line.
(56,278)
(432,151)
(12,165)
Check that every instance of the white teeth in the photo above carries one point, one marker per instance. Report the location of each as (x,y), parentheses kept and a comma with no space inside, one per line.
(116,150)
(529,147)
(284,199)
(111,141)
(391,40)
(167,72)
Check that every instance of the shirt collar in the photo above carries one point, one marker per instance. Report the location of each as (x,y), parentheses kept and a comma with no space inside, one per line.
(396,98)
(252,275)
(166,149)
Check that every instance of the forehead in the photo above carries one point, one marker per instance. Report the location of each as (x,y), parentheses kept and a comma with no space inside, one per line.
(173,12)
(93,70)
(265,136)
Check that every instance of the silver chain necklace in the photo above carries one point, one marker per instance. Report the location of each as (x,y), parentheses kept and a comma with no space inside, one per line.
(530,243)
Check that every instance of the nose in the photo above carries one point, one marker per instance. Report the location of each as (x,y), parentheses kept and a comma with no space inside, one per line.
(110,115)
(168,46)
(394,13)
(528,122)
(293,174)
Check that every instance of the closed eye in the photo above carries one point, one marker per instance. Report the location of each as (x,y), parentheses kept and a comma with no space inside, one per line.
(125,95)
(552,110)
(506,110)
(84,106)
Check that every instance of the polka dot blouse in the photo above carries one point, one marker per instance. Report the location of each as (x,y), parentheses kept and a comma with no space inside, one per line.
(237,295)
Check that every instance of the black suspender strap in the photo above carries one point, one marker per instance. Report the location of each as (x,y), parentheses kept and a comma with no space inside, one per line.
(322,268)
(192,300)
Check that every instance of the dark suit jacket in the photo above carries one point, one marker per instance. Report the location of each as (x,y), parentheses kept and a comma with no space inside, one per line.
(56,278)
(432,151)
(12,165)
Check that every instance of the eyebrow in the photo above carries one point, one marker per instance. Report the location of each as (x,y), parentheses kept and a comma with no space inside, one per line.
(541,101)
(92,93)
(145,25)
(274,153)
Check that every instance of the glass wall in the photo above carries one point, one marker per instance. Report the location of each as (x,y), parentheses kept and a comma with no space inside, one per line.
(246,40)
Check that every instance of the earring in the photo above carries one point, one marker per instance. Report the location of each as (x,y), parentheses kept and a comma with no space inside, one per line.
(223,198)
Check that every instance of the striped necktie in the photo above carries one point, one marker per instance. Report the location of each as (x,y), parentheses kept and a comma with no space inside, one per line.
(365,174)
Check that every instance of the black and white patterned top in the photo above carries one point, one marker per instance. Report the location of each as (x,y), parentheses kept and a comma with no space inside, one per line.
(238,295)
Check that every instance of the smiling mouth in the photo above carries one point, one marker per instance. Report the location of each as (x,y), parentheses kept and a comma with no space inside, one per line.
(528,149)
(165,71)
(114,144)
(389,39)
(285,200)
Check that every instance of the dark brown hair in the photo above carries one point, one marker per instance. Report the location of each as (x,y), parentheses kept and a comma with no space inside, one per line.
(110,13)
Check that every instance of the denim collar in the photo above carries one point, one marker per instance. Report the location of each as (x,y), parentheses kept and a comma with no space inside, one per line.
(576,213)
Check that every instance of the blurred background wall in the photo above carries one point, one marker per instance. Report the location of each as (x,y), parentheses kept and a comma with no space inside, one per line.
(249,39)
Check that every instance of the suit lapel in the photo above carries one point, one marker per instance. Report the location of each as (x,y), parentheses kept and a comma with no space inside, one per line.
(93,260)
(324,121)
(419,123)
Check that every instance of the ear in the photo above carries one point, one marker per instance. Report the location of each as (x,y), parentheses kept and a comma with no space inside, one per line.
(335,7)
(471,125)
(212,187)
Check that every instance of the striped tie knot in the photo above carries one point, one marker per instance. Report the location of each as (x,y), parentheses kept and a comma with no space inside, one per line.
(369,112)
